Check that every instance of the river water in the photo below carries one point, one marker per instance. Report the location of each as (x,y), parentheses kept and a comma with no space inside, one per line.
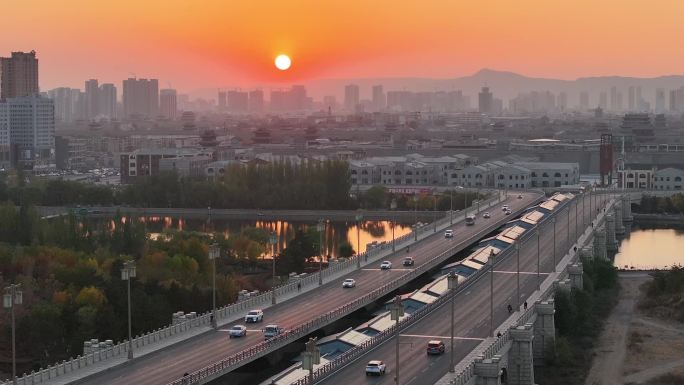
(651,248)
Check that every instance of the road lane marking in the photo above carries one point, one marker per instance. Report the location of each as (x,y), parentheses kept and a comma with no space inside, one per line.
(522,272)
(387,269)
(442,337)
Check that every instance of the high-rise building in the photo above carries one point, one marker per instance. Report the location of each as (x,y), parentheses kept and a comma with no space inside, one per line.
(351,97)
(30,122)
(660,101)
(141,97)
(19,75)
(613,99)
(603,100)
(222,100)
(631,105)
(379,98)
(168,103)
(256,101)
(92,91)
(563,101)
(584,101)
(107,100)
(485,101)
(640,102)
(329,102)
(66,103)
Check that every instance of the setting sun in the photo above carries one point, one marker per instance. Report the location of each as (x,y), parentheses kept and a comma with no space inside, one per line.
(282,62)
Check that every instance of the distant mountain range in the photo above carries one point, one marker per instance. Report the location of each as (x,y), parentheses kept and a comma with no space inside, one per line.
(503,84)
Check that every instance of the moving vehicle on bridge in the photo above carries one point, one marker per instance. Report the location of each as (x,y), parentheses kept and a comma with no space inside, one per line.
(470,220)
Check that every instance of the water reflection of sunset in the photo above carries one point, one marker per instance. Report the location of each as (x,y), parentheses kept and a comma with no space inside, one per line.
(651,248)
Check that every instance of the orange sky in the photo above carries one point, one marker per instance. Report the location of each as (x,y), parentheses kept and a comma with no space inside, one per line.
(207,43)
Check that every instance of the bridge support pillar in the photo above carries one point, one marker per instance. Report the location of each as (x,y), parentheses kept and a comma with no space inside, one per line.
(626,208)
(575,272)
(544,330)
(619,225)
(488,371)
(520,359)
(586,252)
(600,244)
(562,285)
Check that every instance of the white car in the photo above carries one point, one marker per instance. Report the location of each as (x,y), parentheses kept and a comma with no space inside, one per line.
(449,234)
(254,316)
(237,331)
(348,283)
(385,265)
(508,212)
(486,215)
(375,368)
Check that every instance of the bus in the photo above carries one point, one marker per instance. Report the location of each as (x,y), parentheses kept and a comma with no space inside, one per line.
(470,220)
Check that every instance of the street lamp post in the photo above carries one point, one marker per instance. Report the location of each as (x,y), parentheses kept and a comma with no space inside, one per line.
(415,217)
(568,241)
(538,262)
(465,203)
(397,311)
(451,206)
(311,357)
(214,254)
(13,297)
(393,207)
(584,213)
(359,217)
(576,206)
(490,261)
(591,211)
(434,217)
(517,273)
(127,273)
(452,280)
(553,220)
(320,227)
(273,240)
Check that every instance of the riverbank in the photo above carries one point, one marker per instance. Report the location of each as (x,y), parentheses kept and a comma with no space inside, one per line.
(658,219)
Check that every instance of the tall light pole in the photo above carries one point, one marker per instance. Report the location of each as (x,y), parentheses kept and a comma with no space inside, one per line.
(490,261)
(359,217)
(273,240)
(451,206)
(393,206)
(127,273)
(13,297)
(576,206)
(591,211)
(320,227)
(415,217)
(584,213)
(452,280)
(568,241)
(538,262)
(434,218)
(214,254)
(517,273)
(397,311)
(311,357)
(553,220)
(465,203)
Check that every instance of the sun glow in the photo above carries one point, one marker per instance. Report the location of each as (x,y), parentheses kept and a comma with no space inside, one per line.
(283,62)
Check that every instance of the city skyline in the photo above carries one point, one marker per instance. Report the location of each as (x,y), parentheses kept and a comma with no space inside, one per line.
(236,45)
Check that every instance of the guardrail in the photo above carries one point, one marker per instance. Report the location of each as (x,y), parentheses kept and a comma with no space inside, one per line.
(232,311)
(219,368)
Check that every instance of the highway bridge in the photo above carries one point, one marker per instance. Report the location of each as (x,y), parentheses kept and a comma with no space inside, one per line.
(208,354)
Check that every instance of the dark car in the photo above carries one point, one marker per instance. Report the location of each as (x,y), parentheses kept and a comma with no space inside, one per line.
(408,261)
(435,347)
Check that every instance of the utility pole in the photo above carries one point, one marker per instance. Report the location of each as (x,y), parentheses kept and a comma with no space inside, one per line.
(451,206)
(214,254)
(320,227)
(435,213)
(452,280)
(576,206)
(359,217)
(397,311)
(415,217)
(553,220)
(490,261)
(13,296)
(538,262)
(393,206)
(310,357)
(273,240)
(517,253)
(127,273)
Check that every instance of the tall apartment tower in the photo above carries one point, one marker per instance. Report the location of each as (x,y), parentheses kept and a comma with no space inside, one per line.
(631,104)
(168,103)
(107,100)
(660,101)
(30,124)
(379,98)
(18,75)
(141,97)
(256,101)
(584,101)
(485,101)
(92,91)
(351,97)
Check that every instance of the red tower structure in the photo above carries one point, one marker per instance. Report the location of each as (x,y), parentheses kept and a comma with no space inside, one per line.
(606,158)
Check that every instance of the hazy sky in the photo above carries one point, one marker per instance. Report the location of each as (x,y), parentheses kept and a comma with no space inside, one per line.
(206,43)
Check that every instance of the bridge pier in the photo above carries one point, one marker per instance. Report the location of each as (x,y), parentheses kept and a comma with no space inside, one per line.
(544,330)
(586,252)
(488,371)
(619,225)
(600,244)
(520,360)
(576,271)
(626,208)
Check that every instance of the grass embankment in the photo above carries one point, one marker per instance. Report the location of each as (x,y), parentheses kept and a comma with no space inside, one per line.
(663,297)
(579,319)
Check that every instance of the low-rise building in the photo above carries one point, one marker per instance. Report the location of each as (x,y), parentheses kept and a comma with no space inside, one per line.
(551,174)
(668,179)
(148,162)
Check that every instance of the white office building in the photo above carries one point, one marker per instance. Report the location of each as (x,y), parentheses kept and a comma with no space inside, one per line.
(668,179)
(30,123)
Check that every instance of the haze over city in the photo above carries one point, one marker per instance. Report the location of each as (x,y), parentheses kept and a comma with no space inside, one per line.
(299,192)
